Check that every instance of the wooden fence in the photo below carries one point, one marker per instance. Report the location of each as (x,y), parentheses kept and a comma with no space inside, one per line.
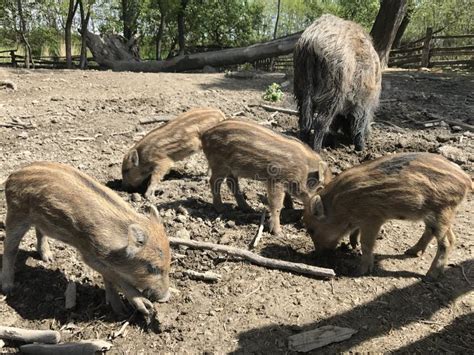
(13,59)
(435,51)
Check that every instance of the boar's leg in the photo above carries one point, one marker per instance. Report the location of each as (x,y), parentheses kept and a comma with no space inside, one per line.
(420,247)
(16,227)
(276,195)
(162,168)
(446,239)
(288,201)
(233,184)
(321,128)
(216,183)
(360,120)
(42,246)
(354,239)
(368,236)
(113,299)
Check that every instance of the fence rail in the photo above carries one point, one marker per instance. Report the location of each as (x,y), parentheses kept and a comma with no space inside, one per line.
(56,62)
(434,52)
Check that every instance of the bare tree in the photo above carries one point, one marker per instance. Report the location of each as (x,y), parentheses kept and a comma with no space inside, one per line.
(277,19)
(23,36)
(85,11)
(130,13)
(181,29)
(386,25)
(159,37)
(403,26)
(68,33)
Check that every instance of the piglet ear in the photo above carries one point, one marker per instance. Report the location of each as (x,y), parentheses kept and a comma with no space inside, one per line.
(137,239)
(317,207)
(134,157)
(155,215)
(322,169)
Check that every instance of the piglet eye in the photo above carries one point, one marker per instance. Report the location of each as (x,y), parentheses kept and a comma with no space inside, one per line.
(153,269)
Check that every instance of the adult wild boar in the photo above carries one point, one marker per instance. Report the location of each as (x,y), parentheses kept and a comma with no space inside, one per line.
(411,186)
(154,155)
(337,80)
(130,250)
(237,148)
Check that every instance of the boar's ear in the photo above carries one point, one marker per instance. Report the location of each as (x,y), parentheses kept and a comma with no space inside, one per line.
(134,157)
(154,214)
(137,239)
(322,169)
(317,207)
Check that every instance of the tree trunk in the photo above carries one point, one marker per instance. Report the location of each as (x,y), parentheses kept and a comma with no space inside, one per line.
(277,19)
(181,30)
(401,30)
(161,30)
(85,17)
(112,53)
(24,39)
(68,35)
(130,9)
(386,25)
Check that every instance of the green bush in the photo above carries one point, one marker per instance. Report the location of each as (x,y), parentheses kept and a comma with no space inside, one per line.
(273,93)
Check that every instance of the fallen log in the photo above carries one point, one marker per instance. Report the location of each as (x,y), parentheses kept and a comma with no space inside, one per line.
(85,347)
(30,335)
(256,259)
(109,52)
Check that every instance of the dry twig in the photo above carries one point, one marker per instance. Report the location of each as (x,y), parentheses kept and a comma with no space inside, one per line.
(155,119)
(205,276)
(256,259)
(259,234)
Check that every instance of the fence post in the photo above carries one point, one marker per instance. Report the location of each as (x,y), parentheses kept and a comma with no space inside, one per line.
(425,53)
(14,63)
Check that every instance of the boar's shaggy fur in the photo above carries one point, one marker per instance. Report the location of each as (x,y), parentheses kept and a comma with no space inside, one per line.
(154,155)
(130,250)
(411,186)
(237,148)
(337,77)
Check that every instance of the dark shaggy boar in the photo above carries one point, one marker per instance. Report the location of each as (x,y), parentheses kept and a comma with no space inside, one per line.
(411,186)
(154,155)
(236,148)
(337,80)
(130,250)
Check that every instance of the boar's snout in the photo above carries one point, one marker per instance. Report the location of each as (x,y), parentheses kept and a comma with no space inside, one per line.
(156,296)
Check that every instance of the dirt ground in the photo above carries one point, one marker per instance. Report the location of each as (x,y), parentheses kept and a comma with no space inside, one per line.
(89,120)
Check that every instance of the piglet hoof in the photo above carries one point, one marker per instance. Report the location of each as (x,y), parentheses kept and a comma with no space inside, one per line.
(365,269)
(275,230)
(414,251)
(150,194)
(144,306)
(46,256)
(119,308)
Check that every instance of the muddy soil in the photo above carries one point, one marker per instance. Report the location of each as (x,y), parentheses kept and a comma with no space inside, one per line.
(89,120)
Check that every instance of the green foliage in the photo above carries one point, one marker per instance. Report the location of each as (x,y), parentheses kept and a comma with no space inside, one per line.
(273,93)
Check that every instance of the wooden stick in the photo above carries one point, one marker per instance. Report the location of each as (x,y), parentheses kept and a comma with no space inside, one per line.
(155,119)
(82,348)
(121,331)
(256,259)
(205,276)
(70,295)
(463,125)
(30,335)
(121,133)
(259,232)
(319,337)
(279,109)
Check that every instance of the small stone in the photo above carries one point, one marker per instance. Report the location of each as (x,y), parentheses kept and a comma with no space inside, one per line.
(23,135)
(225,239)
(443,138)
(136,197)
(182,210)
(230,224)
(181,218)
(456,129)
(183,234)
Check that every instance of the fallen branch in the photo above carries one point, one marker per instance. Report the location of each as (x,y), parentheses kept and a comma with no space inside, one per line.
(319,337)
(205,276)
(155,119)
(390,124)
(463,125)
(257,259)
(82,348)
(288,111)
(70,295)
(259,232)
(30,335)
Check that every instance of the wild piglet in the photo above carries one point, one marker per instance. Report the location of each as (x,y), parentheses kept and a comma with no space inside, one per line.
(237,148)
(154,155)
(411,186)
(130,250)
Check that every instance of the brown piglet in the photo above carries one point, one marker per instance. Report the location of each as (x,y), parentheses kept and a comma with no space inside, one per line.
(129,250)
(237,148)
(153,156)
(407,186)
